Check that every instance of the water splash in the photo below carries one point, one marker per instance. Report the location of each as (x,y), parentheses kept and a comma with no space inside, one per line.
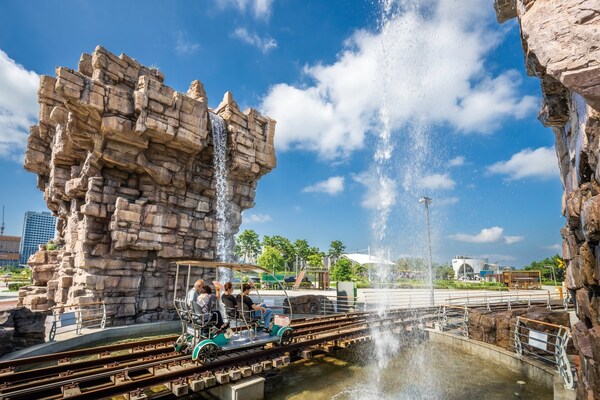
(400,161)
(225,242)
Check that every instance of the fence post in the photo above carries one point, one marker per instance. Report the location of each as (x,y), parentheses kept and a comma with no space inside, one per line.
(517,338)
(562,361)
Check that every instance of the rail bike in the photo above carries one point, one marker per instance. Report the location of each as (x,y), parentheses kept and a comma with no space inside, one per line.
(200,334)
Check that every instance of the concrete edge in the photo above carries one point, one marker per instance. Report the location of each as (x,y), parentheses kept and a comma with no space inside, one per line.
(114,333)
(532,369)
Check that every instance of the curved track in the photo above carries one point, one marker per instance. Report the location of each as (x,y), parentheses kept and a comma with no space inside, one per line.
(111,370)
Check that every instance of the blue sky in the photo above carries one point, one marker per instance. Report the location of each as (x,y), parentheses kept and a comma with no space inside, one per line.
(375,106)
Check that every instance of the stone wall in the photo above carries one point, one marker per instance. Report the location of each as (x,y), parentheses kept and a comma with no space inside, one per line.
(126,163)
(561,43)
(497,327)
(21,328)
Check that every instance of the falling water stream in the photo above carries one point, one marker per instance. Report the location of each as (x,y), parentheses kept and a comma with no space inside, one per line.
(223,202)
(400,161)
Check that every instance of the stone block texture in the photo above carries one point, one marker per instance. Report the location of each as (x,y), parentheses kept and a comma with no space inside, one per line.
(126,163)
(561,44)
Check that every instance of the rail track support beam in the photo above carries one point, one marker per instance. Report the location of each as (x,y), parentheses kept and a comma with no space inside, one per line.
(136,395)
(246,371)
(235,375)
(209,381)
(196,384)
(222,377)
(70,391)
(256,369)
(266,365)
(179,388)
(252,388)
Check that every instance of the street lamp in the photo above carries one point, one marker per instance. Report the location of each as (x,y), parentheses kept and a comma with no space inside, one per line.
(427,202)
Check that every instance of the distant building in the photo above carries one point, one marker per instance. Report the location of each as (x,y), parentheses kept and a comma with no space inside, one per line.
(38,228)
(9,250)
(468,267)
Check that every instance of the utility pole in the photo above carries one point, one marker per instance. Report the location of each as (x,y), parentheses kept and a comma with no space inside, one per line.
(427,202)
(2,227)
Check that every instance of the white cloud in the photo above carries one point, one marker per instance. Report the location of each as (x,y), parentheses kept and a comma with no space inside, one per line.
(257,218)
(261,9)
(331,186)
(555,247)
(487,235)
(539,163)
(437,181)
(184,46)
(18,106)
(513,239)
(265,44)
(426,67)
(456,161)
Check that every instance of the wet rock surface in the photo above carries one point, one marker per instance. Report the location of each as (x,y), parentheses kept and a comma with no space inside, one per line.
(126,163)
(561,44)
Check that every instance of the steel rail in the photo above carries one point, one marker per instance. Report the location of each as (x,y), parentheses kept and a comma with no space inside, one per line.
(84,376)
(83,352)
(216,365)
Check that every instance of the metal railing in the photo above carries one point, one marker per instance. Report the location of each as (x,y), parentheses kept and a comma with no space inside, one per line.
(508,298)
(548,343)
(75,317)
(456,318)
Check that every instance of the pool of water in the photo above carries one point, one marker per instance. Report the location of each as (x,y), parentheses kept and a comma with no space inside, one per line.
(420,371)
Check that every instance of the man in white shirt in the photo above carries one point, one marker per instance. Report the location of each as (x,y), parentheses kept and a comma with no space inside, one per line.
(192,296)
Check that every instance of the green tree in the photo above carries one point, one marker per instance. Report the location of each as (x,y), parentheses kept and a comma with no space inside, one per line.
(548,266)
(315,261)
(271,259)
(285,247)
(336,248)
(443,272)
(247,245)
(342,270)
(302,249)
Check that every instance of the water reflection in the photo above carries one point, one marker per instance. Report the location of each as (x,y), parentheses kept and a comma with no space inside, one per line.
(421,371)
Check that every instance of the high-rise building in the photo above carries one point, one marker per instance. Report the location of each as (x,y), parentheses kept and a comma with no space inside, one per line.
(38,228)
(9,250)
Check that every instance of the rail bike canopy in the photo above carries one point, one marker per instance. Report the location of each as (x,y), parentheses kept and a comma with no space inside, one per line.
(217,264)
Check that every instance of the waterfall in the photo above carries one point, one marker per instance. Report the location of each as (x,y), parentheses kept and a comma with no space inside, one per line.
(399,162)
(225,242)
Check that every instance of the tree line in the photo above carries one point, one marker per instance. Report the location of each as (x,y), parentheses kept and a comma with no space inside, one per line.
(281,254)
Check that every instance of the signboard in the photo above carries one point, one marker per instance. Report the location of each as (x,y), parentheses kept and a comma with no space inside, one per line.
(282,320)
(538,340)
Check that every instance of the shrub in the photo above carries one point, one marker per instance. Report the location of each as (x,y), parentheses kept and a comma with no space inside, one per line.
(14,286)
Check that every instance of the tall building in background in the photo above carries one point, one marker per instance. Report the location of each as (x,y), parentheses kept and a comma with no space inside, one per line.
(38,228)
(9,250)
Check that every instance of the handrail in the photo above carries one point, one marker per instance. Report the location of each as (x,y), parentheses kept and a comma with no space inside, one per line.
(537,346)
(545,323)
(78,311)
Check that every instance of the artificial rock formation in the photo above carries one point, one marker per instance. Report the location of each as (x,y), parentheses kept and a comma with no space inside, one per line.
(561,42)
(126,163)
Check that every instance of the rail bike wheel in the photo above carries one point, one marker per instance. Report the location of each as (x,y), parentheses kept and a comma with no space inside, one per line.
(286,337)
(207,353)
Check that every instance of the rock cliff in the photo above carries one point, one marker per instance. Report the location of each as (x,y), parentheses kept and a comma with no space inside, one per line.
(561,42)
(126,163)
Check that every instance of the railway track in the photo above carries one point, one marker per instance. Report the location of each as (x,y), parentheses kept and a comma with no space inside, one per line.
(125,368)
